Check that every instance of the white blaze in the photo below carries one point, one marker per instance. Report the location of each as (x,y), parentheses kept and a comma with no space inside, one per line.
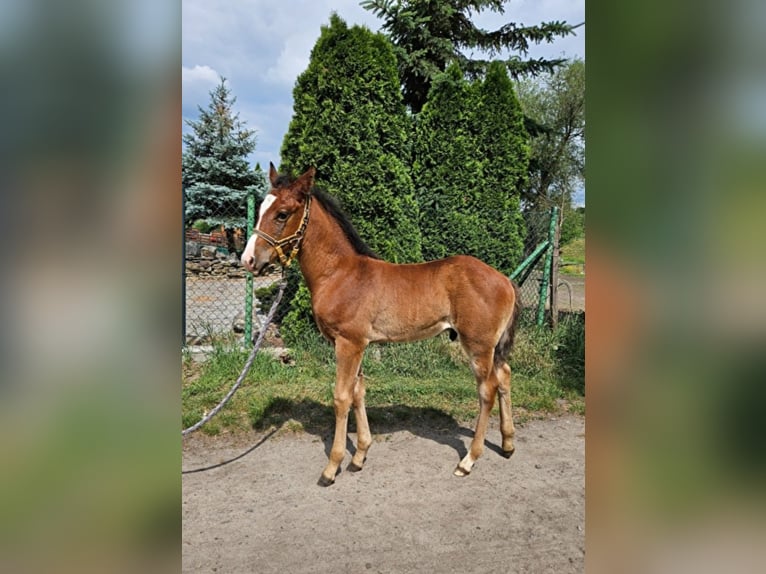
(249,251)
(267,201)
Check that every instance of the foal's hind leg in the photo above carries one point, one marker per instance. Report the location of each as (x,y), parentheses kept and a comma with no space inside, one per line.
(503,373)
(487,383)
(348,358)
(363,436)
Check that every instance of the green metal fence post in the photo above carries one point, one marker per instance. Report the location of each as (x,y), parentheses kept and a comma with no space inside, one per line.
(526,266)
(248,275)
(547,267)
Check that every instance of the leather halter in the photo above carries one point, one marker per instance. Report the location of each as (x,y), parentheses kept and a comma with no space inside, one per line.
(295,238)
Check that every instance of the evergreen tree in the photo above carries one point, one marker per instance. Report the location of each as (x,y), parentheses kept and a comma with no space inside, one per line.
(471,153)
(446,168)
(350,123)
(216,175)
(431,34)
(503,147)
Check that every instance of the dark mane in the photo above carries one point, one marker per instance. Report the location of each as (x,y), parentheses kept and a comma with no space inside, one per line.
(333,208)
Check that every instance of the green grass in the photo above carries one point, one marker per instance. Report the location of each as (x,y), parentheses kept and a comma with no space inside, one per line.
(574,253)
(427,382)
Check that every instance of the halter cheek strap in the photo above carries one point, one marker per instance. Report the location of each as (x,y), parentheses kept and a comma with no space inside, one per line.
(295,238)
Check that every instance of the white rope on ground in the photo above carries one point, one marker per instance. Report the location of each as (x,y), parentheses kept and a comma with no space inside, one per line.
(248,363)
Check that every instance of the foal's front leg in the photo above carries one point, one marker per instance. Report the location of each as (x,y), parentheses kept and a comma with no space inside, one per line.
(348,357)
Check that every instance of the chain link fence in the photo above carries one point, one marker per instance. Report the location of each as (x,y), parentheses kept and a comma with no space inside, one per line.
(538,223)
(216,286)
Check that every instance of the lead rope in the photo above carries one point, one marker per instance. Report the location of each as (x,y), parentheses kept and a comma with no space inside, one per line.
(248,363)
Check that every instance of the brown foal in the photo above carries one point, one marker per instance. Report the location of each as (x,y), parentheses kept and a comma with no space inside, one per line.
(358,299)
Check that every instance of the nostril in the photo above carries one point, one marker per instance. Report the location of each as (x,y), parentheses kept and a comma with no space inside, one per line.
(250,261)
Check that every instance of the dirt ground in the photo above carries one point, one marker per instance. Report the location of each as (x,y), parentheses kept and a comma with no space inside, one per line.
(251,503)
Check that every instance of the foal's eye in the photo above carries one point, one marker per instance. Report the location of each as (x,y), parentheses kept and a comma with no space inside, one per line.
(282,216)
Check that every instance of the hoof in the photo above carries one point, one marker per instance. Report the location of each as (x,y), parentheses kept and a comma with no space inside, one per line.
(324,481)
(461,472)
(353,468)
(508,453)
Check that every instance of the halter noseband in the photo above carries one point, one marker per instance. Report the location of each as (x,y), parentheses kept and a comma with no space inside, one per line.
(296,237)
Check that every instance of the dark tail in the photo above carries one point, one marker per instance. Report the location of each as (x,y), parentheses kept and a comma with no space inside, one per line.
(505,344)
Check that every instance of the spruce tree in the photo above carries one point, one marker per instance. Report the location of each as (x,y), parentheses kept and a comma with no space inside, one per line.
(429,35)
(216,174)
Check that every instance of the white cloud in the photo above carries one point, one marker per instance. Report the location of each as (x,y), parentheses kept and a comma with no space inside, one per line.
(196,74)
(292,61)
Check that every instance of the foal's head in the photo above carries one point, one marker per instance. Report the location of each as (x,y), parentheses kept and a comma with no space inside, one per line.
(281,222)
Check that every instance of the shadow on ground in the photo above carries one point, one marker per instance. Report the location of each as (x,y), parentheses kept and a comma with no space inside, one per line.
(318,419)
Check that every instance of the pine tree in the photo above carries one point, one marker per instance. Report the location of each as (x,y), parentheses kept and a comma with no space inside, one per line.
(216,174)
(431,34)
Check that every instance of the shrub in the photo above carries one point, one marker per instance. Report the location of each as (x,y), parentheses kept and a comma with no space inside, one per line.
(469,168)
(349,123)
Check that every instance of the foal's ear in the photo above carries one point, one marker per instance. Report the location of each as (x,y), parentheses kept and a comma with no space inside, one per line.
(273,175)
(305,182)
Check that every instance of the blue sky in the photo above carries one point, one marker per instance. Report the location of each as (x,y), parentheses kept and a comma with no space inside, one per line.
(261,46)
